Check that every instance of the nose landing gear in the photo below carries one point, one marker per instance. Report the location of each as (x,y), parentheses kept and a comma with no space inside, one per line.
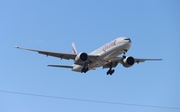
(124,52)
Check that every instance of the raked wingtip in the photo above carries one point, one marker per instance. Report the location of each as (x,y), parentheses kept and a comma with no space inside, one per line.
(16,46)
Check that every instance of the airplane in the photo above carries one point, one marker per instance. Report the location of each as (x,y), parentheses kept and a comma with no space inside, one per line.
(106,56)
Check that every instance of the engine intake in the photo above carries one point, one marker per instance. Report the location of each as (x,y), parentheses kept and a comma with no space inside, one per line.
(128,61)
(81,58)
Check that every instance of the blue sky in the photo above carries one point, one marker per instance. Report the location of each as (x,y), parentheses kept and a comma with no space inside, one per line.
(153,27)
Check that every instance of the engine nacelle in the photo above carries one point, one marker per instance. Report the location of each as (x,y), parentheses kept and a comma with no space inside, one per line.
(81,58)
(128,61)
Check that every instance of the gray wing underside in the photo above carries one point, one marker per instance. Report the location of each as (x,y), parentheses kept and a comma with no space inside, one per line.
(114,62)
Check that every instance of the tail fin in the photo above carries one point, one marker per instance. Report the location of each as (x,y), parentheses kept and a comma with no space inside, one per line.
(74,49)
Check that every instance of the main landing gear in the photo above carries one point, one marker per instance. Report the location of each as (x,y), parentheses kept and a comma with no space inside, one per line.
(84,69)
(110,71)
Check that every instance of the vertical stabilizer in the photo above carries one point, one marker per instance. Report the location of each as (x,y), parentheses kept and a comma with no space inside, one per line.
(74,48)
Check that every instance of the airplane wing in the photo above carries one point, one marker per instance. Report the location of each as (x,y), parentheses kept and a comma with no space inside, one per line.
(59,54)
(61,66)
(115,61)
(54,54)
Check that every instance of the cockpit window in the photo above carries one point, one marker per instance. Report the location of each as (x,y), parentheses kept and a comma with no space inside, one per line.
(128,39)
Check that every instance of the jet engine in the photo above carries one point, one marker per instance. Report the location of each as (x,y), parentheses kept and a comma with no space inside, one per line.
(128,61)
(81,58)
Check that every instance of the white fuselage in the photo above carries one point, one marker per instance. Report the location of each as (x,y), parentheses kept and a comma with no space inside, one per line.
(107,52)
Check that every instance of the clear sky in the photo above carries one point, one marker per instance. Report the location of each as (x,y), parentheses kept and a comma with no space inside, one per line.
(153,26)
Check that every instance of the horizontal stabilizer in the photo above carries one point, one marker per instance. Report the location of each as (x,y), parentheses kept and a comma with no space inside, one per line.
(60,66)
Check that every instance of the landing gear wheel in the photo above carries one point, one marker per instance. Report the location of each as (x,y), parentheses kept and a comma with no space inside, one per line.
(84,69)
(110,71)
